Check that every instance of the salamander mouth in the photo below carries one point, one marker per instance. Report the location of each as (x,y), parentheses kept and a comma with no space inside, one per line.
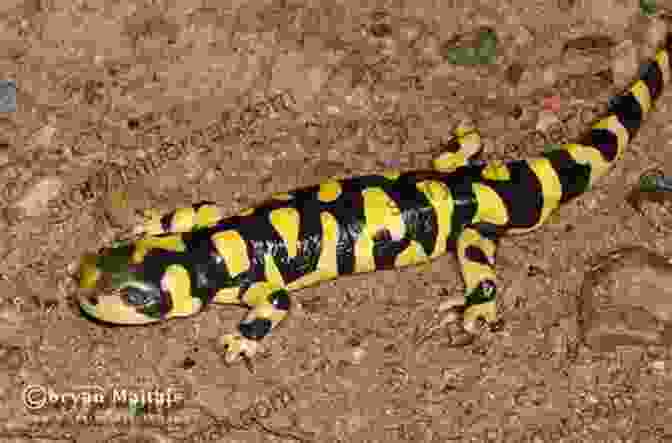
(112,307)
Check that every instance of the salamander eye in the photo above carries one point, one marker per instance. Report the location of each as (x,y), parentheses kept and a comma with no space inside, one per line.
(137,297)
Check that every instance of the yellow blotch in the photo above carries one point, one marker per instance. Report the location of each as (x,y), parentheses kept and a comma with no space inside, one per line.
(464,128)
(551,187)
(327,265)
(468,143)
(267,311)
(587,155)
(496,170)
(471,237)
(287,222)
(282,196)
(364,261)
(307,280)
(169,243)
(227,296)
(272,273)
(486,311)
(277,315)
(643,95)
(612,124)
(473,273)
(391,175)
(491,207)
(183,219)
(246,212)
(257,294)
(380,213)
(449,161)
(176,282)
(233,249)
(440,198)
(413,254)
(340,177)
(329,191)
(663,60)
(208,215)
(258,298)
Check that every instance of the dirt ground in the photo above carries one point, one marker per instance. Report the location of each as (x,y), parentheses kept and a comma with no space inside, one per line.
(127,105)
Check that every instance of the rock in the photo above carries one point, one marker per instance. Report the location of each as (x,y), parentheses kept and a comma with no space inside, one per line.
(626,299)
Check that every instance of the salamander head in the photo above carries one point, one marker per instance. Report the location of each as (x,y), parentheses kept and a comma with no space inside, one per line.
(114,289)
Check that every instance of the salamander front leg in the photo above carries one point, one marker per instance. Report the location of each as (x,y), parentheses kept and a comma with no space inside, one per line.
(476,256)
(463,148)
(269,306)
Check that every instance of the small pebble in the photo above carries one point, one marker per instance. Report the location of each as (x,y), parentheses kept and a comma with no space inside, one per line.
(626,302)
(552,103)
(358,354)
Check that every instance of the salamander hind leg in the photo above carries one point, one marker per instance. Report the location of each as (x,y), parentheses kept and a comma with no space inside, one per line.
(269,306)
(476,256)
(188,218)
(462,148)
